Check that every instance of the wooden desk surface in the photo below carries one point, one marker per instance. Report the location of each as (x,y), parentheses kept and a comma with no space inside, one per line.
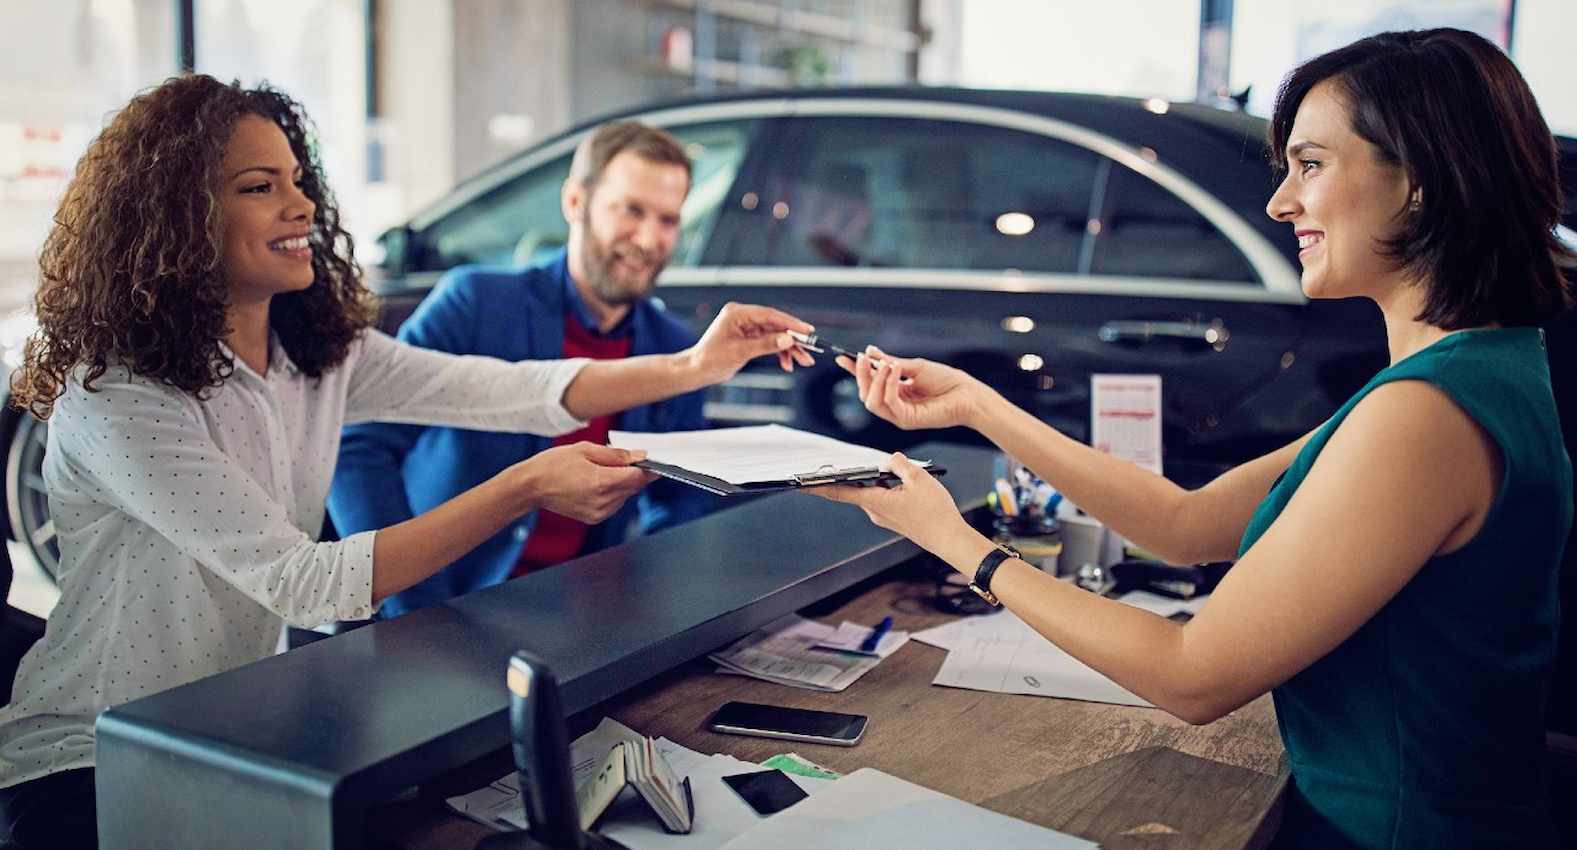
(1120,775)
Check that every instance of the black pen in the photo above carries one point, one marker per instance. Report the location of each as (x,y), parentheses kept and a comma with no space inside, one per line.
(812,342)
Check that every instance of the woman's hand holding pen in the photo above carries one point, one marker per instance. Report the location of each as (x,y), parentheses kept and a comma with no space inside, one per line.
(915,393)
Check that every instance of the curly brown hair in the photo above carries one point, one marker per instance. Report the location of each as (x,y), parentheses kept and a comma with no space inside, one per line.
(131,272)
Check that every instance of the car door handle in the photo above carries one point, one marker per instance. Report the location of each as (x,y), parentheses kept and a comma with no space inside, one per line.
(1213,334)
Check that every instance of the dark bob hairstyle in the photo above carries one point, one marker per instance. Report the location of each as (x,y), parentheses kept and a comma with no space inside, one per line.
(131,273)
(1451,110)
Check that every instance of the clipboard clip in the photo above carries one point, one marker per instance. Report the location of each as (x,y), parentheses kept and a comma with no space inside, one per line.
(829,474)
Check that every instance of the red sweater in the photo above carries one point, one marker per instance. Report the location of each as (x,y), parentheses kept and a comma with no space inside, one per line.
(557,538)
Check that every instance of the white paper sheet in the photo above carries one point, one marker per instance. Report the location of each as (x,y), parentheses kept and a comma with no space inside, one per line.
(751,454)
(870,809)
(1165,606)
(1001,653)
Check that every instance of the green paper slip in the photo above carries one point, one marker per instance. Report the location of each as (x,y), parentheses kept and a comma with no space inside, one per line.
(798,764)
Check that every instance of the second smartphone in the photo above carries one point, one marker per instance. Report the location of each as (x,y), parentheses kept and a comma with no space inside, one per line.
(792,724)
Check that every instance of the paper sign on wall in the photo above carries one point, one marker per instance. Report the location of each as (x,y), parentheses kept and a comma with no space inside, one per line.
(1125,418)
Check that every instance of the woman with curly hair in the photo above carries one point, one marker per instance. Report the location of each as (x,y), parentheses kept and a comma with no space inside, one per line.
(204,334)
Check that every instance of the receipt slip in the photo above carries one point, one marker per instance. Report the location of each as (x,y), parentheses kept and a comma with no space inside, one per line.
(805,654)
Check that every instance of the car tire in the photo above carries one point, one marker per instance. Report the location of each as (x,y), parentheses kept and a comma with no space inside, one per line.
(26,497)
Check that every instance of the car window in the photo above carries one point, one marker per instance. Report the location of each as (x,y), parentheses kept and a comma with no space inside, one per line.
(1147,231)
(921,193)
(520,222)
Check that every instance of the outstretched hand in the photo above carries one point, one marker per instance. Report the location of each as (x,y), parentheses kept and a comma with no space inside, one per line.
(743,332)
(911,392)
(919,508)
(583,481)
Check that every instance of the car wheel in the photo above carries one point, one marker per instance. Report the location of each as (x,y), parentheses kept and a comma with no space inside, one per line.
(26,496)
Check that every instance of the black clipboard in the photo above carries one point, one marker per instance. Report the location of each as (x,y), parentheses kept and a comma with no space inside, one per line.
(863,476)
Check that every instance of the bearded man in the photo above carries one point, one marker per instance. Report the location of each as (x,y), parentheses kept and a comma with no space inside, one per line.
(593,299)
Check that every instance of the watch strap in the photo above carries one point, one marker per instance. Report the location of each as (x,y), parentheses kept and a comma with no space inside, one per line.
(988,567)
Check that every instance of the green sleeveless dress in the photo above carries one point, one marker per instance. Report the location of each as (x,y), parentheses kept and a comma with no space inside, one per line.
(1425,728)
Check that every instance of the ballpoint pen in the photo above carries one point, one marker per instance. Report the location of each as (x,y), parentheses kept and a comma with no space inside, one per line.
(814,343)
(876,635)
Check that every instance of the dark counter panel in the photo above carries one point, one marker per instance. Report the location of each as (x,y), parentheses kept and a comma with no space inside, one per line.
(291,750)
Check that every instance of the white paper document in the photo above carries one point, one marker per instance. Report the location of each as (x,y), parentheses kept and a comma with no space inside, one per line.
(752,454)
(870,809)
(789,652)
(1001,653)
(1165,606)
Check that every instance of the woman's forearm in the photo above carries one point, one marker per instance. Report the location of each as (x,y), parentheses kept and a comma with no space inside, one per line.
(408,552)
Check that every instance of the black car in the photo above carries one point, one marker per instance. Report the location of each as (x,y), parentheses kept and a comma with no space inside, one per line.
(1030,238)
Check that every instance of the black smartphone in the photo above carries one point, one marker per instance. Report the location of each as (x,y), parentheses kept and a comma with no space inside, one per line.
(793,724)
(767,791)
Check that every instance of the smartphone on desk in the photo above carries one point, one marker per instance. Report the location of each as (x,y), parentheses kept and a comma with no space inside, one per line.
(791,724)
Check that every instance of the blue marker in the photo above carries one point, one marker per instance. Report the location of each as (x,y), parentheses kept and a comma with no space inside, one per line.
(876,635)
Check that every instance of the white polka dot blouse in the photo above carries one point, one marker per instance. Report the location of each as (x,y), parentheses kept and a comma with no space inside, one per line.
(188,527)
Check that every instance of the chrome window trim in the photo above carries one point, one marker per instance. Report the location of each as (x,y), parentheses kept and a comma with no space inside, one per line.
(1273,269)
(979,281)
(661,118)
(1281,283)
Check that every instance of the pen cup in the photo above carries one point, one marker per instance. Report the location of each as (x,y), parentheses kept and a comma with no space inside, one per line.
(1086,541)
(1023,505)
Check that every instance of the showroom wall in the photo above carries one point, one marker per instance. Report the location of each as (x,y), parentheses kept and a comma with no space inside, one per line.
(462,84)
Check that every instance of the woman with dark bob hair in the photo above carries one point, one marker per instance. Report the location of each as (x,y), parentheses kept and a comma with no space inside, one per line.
(1395,585)
(204,334)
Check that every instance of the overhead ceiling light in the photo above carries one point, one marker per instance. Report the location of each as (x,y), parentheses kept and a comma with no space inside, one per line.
(1031,362)
(1018,324)
(1015,224)
(1157,105)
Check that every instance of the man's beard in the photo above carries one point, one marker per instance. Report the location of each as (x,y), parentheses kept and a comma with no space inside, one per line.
(617,287)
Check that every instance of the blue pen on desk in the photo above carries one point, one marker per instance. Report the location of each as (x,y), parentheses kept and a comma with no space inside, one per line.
(876,635)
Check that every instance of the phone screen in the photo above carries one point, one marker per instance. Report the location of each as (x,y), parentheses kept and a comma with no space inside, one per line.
(767,791)
(778,721)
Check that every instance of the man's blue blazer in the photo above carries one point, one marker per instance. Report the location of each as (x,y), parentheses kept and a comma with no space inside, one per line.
(388,473)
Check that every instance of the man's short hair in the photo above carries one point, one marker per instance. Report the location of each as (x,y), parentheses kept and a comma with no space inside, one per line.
(609,140)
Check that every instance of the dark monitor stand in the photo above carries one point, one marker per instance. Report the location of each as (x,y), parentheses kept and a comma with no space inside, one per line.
(541,745)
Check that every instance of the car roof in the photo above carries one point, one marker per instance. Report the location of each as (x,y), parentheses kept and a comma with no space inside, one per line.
(1223,151)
